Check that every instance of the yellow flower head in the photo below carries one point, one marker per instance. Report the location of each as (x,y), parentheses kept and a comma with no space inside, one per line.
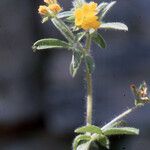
(56,8)
(85,17)
(43,10)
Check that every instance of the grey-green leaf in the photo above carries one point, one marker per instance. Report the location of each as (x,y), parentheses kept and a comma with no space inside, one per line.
(64,29)
(98,39)
(90,129)
(114,25)
(101,6)
(65,14)
(45,19)
(80,35)
(80,138)
(119,123)
(89,63)
(84,146)
(50,43)
(121,131)
(75,63)
(107,8)
(70,18)
(104,141)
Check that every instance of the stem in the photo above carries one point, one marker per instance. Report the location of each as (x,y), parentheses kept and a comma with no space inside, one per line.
(124,114)
(89,106)
(89,99)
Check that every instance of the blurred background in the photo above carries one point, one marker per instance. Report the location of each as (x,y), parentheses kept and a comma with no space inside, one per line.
(40,103)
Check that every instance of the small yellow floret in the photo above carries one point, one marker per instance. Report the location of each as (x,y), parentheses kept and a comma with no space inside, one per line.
(55,8)
(85,17)
(43,10)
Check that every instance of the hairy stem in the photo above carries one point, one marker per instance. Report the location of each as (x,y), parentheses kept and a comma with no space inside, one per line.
(124,114)
(89,106)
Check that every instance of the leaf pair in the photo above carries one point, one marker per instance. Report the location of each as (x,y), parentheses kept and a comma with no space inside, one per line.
(92,134)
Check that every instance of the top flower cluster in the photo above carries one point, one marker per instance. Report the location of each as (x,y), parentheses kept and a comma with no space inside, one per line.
(51,8)
(85,15)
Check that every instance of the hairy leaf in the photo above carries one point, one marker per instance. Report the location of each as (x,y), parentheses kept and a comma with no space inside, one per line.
(65,14)
(45,19)
(49,43)
(90,129)
(121,131)
(114,25)
(119,123)
(89,63)
(101,6)
(70,19)
(75,63)
(78,139)
(84,146)
(104,141)
(107,8)
(80,35)
(64,29)
(98,39)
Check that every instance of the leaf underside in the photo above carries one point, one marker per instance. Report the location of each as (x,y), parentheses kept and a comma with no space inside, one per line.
(49,43)
(121,131)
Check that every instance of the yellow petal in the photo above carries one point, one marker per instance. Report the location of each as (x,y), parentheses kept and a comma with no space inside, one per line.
(92,6)
(85,17)
(55,8)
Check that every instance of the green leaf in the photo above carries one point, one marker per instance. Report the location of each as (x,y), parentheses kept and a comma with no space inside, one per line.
(64,29)
(104,141)
(78,139)
(65,14)
(119,123)
(84,146)
(80,35)
(45,19)
(107,8)
(90,129)
(75,63)
(114,25)
(49,43)
(89,63)
(101,6)
(98,39)
(121,131)
(71,18)
(94,145)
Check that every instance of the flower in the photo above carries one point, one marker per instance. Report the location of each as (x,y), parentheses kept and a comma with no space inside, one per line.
(43,10)
(56,8)
(85,16)
(51,9)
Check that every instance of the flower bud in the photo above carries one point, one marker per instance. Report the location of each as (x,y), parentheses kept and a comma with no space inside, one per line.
(55,8)
(43,10)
